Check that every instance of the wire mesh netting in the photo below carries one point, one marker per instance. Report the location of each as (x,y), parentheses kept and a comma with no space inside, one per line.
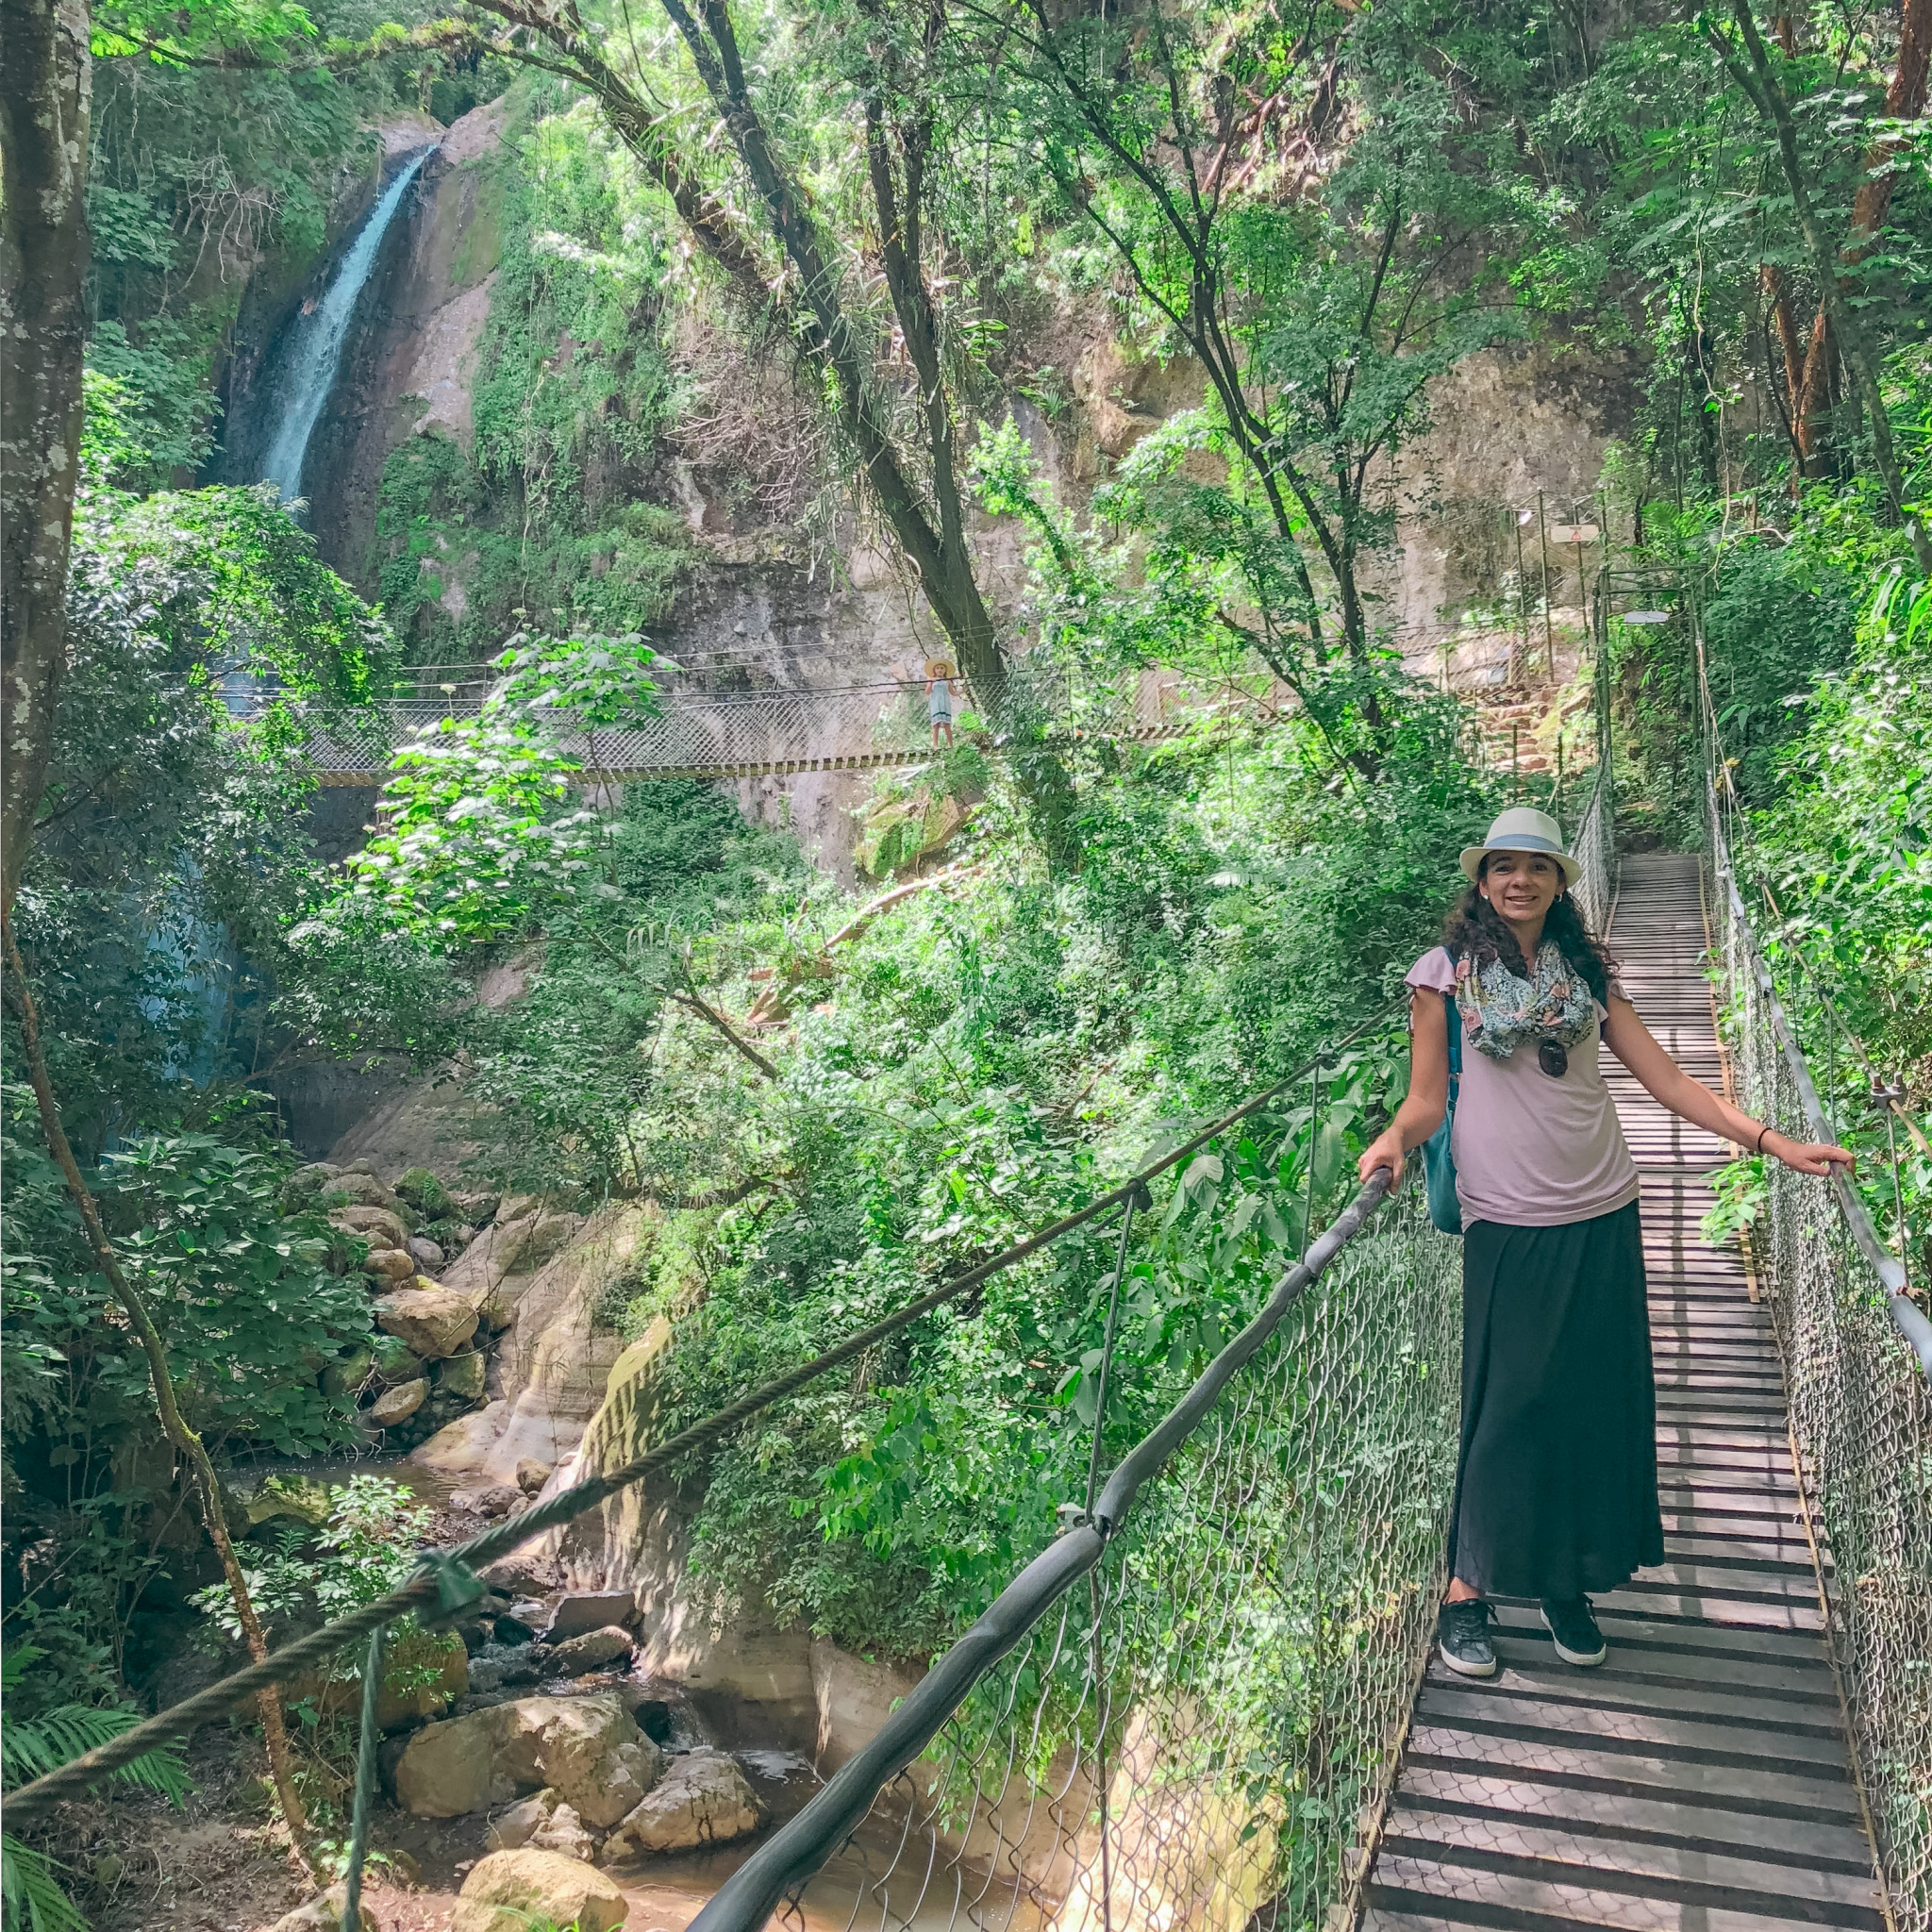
(1201,1736)
(1862,1417)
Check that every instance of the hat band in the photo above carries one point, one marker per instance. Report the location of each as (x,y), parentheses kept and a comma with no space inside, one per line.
(1522,841)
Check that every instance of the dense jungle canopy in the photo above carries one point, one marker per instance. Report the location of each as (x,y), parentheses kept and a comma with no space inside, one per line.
(1239,350)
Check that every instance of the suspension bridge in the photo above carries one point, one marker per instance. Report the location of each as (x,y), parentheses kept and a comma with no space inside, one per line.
(1208,1704)
(761,733)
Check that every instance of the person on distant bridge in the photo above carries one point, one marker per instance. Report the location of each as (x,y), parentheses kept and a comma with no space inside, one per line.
(1555,1485)
(940,674)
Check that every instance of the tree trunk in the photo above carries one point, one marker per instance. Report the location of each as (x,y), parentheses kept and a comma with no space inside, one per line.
(1905,99)
(43,257)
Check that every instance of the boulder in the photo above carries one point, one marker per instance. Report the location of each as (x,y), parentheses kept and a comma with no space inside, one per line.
(460,1448)
(546,1823)
(703,1799)
(324,1914)
(395,1361)
(399,1404)
(304,1185)
(433,1321)
(589,1750)
(578,1612)
(594,1649)
(547,1237)
(475,1207)
(345,1377)
(532,1475)
(353,1189)
(501,1666)
(425,1251)
(493,1499)
(382,1226)
(508,1891)
(518,1207)
(511,1830)
(462,1376)
(293,1496)
(424,1191)
(391,1264)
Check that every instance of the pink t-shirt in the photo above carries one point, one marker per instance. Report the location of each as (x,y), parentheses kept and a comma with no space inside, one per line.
(1530,1150)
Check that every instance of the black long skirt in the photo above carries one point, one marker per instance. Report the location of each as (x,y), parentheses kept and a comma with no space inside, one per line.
(1555,1490)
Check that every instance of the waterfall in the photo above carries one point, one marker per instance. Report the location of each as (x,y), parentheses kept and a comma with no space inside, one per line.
(314,351)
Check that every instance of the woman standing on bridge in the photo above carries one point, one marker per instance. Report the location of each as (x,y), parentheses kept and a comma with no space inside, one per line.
(1556,1487)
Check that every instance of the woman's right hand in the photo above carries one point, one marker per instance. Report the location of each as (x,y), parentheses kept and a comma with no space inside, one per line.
(1385,1150)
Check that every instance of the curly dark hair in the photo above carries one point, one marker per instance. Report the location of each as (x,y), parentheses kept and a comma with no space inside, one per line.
(1476,927)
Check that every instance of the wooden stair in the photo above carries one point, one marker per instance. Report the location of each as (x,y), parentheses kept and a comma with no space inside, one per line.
(1699,1780)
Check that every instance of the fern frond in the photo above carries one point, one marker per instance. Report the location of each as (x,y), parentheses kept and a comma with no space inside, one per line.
(34,1901)
(29,1749)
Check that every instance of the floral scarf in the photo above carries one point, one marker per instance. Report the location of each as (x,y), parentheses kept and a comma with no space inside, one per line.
(1500,1012)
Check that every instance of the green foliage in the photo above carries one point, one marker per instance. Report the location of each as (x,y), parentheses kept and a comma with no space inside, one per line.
(31,1891)
(478,835)
(370,1544)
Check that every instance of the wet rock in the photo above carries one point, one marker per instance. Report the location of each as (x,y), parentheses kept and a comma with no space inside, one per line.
(703,1799)
(589,1750)
(513,1629)
(492,1500)
(463,1376)
(391,1264)
(592,1651)
(501,1666)
(434,1322)
(381,1227)
(532,1474)
(507,1891)
(579,1611)
(292,1496)
(425,1251)
(399,1404)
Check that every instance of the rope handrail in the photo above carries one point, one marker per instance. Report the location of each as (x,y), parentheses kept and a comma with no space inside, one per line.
(441,1579)
(794,1853)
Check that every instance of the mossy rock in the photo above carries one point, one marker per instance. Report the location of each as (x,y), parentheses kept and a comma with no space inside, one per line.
(425,1194)
(395,1361)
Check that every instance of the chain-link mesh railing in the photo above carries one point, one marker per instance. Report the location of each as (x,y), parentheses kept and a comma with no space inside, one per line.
(722,734)
(1594,843)
(1204,1734)
(1857,1355)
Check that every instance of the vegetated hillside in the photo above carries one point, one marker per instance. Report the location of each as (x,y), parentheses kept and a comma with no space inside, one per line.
(1062,345)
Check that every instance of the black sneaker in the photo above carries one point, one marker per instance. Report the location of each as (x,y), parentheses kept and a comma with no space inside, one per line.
(1463,1632)
(1574,1626)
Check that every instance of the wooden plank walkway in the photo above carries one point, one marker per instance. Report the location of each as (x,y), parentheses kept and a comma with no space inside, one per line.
(1698,1781)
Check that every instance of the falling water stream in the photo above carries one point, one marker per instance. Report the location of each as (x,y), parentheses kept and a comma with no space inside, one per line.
(314,352)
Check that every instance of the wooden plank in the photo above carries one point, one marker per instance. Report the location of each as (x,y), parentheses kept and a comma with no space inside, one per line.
(1413,1830)
(1590,1765)
(1807,1695)
(1637,1627)
(1708,1607)
(1837,1849)
(1469,1705)
(1762,1583)
(1792,1554)
(1686,1697)
(1514,1897)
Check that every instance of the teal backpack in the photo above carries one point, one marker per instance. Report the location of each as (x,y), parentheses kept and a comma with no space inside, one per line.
(1439,1164)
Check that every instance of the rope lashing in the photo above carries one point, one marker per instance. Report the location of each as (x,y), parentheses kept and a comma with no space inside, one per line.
(365,1781)
(431,1583)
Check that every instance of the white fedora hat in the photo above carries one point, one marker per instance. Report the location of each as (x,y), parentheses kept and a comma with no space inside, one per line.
(1523,828)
